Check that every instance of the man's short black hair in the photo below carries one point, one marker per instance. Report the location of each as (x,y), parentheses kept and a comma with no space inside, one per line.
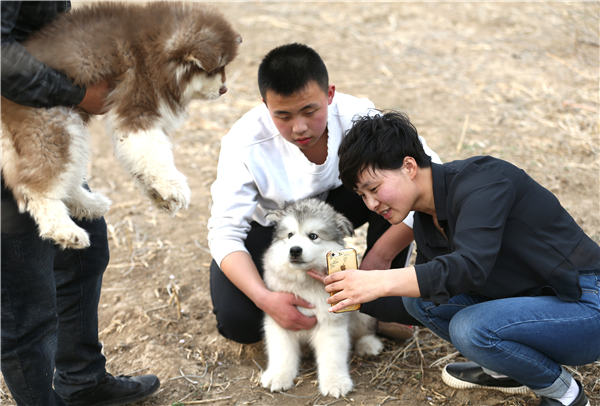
(288,69)
(379,141)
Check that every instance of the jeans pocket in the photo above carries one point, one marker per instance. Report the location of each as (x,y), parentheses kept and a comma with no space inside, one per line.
(590,289)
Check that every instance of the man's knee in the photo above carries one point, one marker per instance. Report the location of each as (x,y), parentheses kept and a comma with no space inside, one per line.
(237,327)
(28,328)
(238,319)
(469,330)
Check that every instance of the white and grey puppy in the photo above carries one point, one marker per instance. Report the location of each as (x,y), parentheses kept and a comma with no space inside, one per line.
(157,57)
(304,232)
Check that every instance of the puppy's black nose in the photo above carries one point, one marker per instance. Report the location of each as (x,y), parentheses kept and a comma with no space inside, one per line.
(295,252)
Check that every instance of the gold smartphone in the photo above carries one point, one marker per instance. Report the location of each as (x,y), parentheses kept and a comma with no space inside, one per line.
(339,261)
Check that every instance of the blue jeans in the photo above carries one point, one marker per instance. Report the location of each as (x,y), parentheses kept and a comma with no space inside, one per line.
(525,338)
(50,311)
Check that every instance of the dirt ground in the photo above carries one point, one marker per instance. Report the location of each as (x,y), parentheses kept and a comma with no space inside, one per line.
(515,80)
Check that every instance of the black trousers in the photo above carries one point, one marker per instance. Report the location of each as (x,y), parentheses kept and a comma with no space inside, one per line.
(238,319)
(49,310)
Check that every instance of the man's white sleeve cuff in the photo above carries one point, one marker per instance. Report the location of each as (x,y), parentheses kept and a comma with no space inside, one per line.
(220,249)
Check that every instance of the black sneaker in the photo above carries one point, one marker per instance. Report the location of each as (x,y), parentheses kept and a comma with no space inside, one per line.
(464,375)
(116,390)
(580,400)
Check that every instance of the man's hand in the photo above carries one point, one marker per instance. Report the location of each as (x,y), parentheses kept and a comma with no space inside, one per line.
(353,287)
(281,306)
(357,286)
(239,267)
(95,98)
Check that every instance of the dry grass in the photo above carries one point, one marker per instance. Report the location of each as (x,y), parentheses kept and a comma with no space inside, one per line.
(515,80)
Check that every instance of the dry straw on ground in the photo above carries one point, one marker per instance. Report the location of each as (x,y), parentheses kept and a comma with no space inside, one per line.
(514,80)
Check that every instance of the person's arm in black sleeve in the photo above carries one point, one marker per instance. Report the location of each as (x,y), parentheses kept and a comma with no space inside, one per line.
(482,212)
(26,80)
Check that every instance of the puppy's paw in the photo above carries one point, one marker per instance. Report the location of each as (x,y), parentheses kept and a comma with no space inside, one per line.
(100,206)
(368,345)
(94,206)
(168,193)
(335,385)
(67,236)
(277,380)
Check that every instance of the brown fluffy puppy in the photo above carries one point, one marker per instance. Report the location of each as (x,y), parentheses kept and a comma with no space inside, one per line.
(158,57)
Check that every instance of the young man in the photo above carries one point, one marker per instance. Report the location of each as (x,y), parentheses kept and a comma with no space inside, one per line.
(281,151)
(50,349)
(503,271)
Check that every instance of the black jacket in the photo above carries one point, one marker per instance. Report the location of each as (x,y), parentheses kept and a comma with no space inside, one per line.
(506,236)
(26,80)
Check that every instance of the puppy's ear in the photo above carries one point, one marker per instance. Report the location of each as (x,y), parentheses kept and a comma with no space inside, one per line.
(192,59)
(344,224)
(212,52)
(274,216)
(208,60)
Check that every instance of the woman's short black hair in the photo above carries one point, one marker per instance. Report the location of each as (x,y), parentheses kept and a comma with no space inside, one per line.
(380,141)
(288,69)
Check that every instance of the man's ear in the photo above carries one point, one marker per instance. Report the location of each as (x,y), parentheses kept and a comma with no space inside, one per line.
(330,94)
(410,166)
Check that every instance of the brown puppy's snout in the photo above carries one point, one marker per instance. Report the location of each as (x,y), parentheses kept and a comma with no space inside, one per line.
(223,88)
(295,252)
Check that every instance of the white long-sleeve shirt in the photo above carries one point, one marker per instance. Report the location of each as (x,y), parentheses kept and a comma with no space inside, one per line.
(259,171)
